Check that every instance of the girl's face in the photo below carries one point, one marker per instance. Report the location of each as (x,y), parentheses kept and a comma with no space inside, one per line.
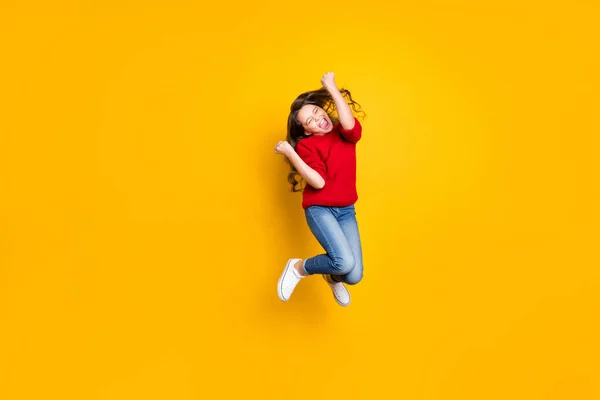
(314,120)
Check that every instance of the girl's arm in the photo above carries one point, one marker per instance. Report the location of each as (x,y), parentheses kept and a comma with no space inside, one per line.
(311,176)
(344,113)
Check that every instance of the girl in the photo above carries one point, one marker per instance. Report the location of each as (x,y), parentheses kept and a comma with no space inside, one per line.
(321,148)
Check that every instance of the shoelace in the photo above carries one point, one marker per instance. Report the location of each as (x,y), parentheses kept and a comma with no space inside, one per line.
(337,287)
(291,282)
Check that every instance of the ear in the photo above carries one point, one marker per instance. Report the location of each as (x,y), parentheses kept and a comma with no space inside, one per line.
(307,133)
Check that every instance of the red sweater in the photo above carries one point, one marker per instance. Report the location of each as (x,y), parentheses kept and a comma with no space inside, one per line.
(333,156)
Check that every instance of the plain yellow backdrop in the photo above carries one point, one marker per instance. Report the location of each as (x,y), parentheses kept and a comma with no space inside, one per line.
(144,218)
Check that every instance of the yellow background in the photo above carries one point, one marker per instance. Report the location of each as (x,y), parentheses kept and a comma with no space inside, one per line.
(145,220)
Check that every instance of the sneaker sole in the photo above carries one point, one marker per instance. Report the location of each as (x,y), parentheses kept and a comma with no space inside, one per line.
(285,271)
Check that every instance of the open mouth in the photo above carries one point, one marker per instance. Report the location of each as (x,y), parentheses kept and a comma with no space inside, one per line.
(324,124)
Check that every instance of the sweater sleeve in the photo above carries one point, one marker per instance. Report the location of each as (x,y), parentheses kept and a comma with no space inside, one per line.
(311,157)
(353,135)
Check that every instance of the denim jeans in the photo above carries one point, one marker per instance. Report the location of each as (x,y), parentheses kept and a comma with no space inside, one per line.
(336,230)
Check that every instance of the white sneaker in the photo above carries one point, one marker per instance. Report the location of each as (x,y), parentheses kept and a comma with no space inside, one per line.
(340,293)
(288,280)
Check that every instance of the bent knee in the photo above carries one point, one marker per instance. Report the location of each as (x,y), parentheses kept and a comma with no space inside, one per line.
(353,277)
(344,264)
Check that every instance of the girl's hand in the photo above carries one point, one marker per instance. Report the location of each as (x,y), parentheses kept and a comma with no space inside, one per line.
(283,147)
(328,81)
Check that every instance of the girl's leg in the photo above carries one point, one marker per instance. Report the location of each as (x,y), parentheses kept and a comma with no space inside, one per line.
(347,221)
(339,259)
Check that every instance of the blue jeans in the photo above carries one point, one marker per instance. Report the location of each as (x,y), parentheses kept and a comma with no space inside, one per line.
(337,231)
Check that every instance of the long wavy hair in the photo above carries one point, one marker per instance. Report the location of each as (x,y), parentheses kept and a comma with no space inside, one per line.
(295,130)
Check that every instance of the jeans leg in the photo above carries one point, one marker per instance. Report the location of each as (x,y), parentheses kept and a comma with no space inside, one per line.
(349,225)
(339,258)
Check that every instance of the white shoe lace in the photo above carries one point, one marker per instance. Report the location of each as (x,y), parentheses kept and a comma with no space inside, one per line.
(290,283)
(339,290)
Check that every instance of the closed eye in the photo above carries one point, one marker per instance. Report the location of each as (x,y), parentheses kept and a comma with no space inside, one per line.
(309,120)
